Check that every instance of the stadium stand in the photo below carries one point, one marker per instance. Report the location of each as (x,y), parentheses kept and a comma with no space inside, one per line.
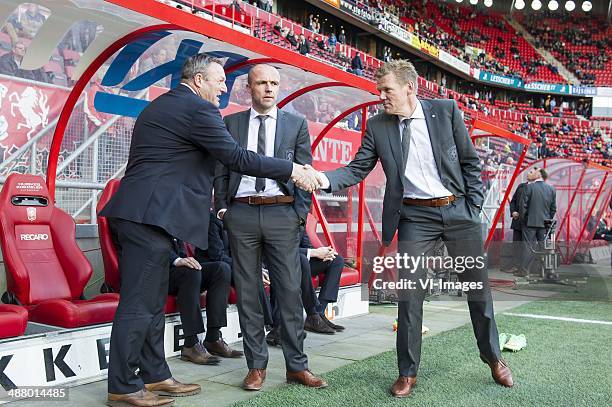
(581,42)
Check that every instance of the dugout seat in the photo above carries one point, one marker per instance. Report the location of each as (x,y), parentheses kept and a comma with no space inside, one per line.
(13,320)
(111,260)
(46,271)
(350,276)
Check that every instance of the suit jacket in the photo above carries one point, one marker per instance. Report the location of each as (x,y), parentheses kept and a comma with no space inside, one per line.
(454,153)
(539,204)
(176,142)
(292,143)
(305,244)
(515,206)
(218,243)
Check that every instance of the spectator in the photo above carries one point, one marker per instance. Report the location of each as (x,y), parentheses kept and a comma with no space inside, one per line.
(357,65)
(25,25)
(303,45)
(342,37)
(291,38)
(332,41)
(10,62)
(159,57)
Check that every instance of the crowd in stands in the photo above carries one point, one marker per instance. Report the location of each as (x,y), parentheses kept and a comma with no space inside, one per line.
(331,49)
(581,42)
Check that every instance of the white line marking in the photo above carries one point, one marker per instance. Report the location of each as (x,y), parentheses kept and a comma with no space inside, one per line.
(537,316)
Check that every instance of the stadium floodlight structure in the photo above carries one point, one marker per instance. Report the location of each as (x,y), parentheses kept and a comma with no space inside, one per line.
(536,4)
(553,5)
(587,6)
(519,4)
(570,5)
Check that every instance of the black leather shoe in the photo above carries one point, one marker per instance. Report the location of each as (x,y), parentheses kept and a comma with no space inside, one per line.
(273,337)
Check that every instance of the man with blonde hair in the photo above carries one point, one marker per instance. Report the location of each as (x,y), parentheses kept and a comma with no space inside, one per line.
(433,191)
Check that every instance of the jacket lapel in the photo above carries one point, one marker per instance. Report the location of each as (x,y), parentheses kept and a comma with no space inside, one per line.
(243,128)
(393,135)
(280,132)
(432,129)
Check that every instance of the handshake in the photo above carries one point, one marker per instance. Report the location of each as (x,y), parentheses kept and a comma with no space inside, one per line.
(307,178)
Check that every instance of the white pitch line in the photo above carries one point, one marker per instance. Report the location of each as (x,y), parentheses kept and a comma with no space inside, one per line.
(537,316)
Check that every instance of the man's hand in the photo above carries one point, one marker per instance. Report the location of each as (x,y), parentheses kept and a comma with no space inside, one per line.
(515,215)
(324,253)
(188,262)
(305,177)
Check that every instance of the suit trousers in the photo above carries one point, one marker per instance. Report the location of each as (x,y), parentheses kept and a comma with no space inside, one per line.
(137,338)
(532,237)
(309,295)
(332,271)
(187,285)
(271,232)
(458,225)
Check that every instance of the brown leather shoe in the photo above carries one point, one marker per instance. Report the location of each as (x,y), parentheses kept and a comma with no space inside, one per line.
(197,354)
(174,388)
(335,327)
(221,348)
(254,380)
(314,323)
(500,371)
(403,386)
(306,378)
(141,398)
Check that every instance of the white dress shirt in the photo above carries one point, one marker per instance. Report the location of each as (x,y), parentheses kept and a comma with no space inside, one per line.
(247,183)
(421,172)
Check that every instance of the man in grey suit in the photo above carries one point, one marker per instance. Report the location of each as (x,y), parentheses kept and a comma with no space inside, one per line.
(264,219)
(433,190)
(538,204)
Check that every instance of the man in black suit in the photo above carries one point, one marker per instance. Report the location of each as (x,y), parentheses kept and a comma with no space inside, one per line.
(516,225)
(433,191)
(176,141)
(263,219)
(538,204)
(189,277)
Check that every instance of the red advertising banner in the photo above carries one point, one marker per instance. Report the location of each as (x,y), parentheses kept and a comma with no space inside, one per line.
(26,108)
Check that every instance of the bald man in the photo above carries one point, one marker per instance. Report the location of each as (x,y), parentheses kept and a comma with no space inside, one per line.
(265,218)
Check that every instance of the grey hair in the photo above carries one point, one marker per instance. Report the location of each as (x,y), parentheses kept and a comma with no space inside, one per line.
(403,70)
(196,64)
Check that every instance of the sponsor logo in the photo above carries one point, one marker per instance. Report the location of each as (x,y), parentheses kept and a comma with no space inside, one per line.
(31,214)
(34,236)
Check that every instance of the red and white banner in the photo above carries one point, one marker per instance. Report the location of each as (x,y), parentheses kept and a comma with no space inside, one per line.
(26,107)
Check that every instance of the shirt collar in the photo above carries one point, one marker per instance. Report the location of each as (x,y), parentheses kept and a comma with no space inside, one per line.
(273,113)
(417,114)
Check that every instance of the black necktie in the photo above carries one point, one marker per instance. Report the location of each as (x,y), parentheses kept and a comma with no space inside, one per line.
(406,135)
(260,183)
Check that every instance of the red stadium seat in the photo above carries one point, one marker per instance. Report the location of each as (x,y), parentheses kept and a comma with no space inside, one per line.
(45,269)
(350,276)
(13,320)
(111,260)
